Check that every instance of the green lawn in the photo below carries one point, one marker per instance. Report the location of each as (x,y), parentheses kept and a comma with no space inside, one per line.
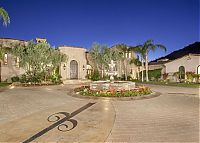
(194,85)
(2,84)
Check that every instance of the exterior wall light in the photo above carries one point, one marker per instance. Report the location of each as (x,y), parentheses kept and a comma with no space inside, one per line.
(83,67)
(188,58)
(64,66)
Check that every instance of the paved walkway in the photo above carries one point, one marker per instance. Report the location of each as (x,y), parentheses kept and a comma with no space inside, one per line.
(170,117)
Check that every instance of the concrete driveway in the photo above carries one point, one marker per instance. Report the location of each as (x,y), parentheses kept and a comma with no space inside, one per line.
(171,117)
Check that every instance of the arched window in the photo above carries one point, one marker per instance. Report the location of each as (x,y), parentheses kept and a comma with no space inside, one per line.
(181,72)
(198,69)
(5,59)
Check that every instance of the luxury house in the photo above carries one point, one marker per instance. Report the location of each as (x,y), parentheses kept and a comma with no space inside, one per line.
(78,65)
(183,61)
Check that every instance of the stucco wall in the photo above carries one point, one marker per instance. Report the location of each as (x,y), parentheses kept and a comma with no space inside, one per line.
(154,67)
(10,69)
(77,54)
(6,42)
(189,62)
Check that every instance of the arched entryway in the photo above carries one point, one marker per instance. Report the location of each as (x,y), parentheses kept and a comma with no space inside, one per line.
(73,69)
(198,69)
(181,72)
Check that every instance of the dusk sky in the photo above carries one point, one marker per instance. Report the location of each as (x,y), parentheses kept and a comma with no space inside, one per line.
(173,23)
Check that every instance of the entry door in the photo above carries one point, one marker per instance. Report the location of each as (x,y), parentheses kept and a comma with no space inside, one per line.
(73,69)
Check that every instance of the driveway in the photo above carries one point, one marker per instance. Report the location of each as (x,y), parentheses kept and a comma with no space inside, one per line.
(171,117)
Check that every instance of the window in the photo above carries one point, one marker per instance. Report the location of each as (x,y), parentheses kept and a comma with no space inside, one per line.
(5,59)
(198,69)
(17,62)
(181,72)
(126,55)
(129,55)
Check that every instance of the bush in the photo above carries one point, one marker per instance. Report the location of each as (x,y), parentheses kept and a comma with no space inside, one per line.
(23,79)
(29,77)
(85,90)
(129,78)
(15,79)
(190,76)
(197,76)
(56,78)
(165,76)
(154,75)
(95,76)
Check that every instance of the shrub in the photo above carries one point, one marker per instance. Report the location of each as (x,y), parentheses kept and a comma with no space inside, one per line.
(85,90)
(153,74)
(88,76)
(177,75)
(31,78)
(165,75)
(197,76)
(15,79)
(95,76)
(129,78)
(190,76)
(56,78)
(23,79)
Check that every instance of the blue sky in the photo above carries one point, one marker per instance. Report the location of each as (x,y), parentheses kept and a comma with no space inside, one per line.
(173,23)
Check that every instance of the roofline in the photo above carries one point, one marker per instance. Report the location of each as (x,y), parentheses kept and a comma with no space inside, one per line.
(177,51)
(71,46)
(156,63)
(182,57)
(14,39)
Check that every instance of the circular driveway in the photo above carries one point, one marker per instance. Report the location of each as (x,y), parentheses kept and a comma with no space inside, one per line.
(171,117)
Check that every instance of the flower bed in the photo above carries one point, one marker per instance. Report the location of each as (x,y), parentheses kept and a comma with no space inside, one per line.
(140,91)
(34,84)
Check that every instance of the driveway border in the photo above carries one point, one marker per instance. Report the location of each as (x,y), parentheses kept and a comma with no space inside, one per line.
(152,95)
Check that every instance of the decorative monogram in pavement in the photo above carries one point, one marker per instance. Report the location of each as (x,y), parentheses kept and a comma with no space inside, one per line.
(62,121)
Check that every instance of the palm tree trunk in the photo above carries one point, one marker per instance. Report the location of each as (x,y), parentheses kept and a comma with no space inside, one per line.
(102,72)
(138,73)
(142,70)
(98,69)
(125,69)
(146,67)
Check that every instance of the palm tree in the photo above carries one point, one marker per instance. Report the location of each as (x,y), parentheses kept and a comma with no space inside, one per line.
(141,51)
(138,63)
(124,49)
(150,46)
(5,16)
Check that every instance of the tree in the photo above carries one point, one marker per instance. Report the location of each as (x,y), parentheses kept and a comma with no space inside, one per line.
(110,54)
(38,58)
(5,16)
(138,63)
(102,56)
(97,56)
(141,51)
(147,47)
(124,49)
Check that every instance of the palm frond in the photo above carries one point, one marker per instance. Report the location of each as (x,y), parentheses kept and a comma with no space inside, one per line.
(161,47)
(5,16)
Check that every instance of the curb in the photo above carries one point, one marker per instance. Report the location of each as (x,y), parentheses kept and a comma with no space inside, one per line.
(149,96)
